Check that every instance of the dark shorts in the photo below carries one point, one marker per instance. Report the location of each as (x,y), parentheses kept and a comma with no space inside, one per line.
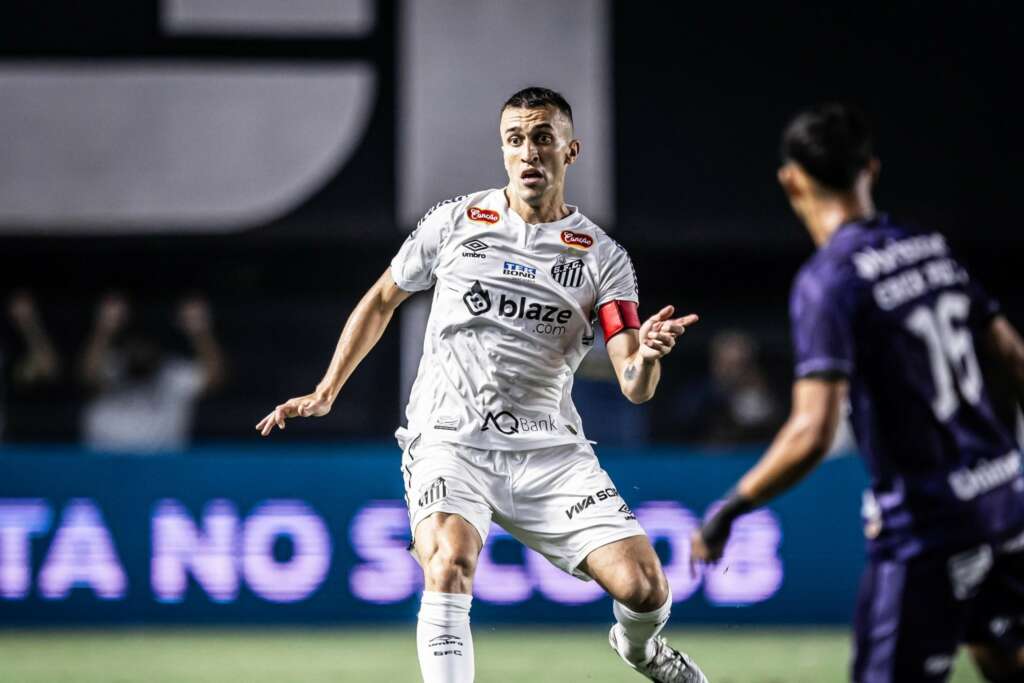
(913,615)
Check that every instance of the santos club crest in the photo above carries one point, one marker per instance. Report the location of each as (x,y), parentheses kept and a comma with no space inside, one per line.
(568,273)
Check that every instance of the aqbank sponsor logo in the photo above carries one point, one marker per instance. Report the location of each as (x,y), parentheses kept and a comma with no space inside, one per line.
(507,423)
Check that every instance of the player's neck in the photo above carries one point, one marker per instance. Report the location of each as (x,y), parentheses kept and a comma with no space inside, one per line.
(828,215)
(548,210)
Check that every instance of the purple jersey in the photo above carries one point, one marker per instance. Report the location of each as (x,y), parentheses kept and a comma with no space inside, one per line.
(892,311)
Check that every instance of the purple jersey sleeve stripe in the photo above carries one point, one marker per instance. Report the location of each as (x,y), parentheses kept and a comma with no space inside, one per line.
(815,365)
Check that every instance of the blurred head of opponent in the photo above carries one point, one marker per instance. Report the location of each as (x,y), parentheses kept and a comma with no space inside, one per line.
(829,168)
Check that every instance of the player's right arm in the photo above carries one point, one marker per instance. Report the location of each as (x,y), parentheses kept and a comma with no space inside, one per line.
(1005,343)
(362,330)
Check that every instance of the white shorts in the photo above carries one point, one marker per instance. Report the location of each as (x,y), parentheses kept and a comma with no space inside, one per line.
(557,500)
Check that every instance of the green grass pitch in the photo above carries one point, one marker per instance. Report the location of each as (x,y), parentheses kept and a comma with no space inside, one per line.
(503,654)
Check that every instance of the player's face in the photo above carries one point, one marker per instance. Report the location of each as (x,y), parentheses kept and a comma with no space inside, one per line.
(537,146)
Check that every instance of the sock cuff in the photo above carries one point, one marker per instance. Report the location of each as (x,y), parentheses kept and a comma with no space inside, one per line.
(445,609)
(661,614)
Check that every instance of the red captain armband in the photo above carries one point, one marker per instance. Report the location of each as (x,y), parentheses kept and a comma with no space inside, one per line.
(616,316)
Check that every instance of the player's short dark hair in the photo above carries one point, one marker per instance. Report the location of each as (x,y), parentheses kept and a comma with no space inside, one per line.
(832,142)
(535,97)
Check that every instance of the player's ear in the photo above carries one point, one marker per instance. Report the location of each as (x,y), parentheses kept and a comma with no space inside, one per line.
(790,180)
(573,152)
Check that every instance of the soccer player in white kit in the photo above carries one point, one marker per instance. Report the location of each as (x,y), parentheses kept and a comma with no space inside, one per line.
(520,280)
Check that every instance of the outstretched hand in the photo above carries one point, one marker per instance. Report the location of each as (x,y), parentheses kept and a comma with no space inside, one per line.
(310,405)
(658,334)
(702,551)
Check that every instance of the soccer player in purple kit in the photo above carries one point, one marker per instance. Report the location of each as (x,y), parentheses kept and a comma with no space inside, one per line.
(888,318)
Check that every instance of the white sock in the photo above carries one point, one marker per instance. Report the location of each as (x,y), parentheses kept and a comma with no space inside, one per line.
(443,640)
(637,630)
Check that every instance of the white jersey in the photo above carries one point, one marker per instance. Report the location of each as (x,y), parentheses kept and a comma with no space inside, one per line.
(514,312)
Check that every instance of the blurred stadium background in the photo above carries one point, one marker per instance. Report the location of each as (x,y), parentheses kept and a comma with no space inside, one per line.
(193,195)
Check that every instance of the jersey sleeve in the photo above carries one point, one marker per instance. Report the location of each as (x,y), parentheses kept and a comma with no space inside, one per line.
(616,277)
(821,313)
(413,266)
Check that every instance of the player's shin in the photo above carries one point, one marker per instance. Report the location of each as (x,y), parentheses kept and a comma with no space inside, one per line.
(443,639)
(639,628)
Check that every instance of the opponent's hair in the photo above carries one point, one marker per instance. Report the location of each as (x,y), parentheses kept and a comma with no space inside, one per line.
(832,142)
(535,97)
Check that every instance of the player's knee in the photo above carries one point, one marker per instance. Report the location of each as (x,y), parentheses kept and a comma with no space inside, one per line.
(448,571)
(643,588)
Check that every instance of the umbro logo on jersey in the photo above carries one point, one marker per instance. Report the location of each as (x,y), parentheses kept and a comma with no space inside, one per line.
(475,213)
(577,240)
(475,246)
(518,270)
(568,273)
(477,299)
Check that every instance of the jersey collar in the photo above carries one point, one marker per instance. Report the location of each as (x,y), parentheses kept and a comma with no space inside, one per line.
(514,218)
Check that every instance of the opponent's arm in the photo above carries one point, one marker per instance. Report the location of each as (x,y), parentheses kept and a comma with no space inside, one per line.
(1005,343)
(362,330)
(797,449)
(636,354)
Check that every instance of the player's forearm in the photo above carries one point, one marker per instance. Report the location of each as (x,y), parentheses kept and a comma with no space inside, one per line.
(1006,343)
(640,378)
(796,450)
(362,331)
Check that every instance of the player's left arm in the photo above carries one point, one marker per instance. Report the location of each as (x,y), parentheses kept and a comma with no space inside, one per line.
(636,353)
(799,446)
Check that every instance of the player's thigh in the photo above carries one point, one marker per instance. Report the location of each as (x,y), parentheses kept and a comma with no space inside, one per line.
(447,492)
(995,633)
(565,506)
(909,622)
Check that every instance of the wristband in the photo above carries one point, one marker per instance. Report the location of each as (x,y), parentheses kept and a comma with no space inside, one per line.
(716,530)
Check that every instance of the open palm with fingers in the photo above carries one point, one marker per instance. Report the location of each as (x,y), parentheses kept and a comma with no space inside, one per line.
(310,405)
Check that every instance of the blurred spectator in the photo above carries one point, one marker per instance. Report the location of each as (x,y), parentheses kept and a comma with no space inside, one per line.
(39,363)
(608,417)
(144,399)
(735,404)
